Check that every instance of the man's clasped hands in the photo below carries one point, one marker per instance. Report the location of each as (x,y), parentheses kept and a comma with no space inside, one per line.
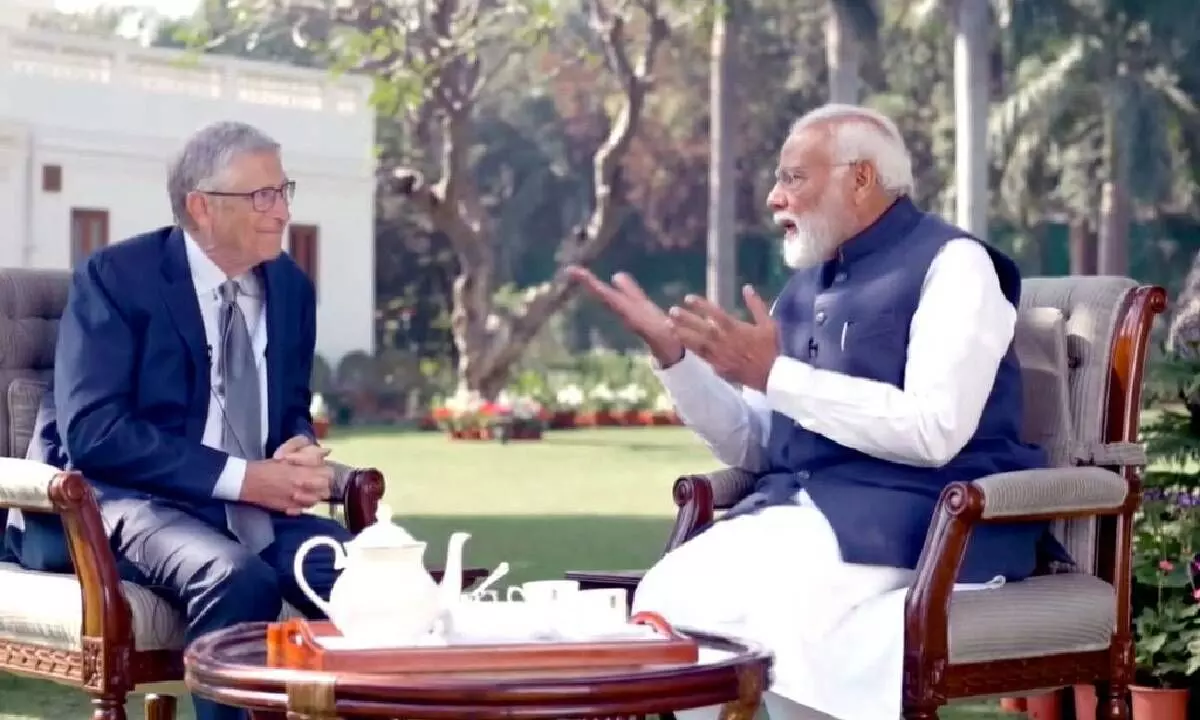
(740,352)
(293,480)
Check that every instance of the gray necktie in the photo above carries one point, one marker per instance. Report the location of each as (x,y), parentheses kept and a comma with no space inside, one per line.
(241,429)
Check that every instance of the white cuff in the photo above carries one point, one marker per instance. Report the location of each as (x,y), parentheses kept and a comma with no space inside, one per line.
(229,483)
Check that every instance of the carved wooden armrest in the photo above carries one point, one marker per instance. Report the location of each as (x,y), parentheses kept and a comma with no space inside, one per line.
(358,491)
(697,496)
(1030,495)
(37,487)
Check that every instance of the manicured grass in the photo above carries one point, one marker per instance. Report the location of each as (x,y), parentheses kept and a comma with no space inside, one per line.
(580,499)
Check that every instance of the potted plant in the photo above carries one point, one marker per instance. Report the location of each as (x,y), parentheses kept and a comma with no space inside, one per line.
(662,412)
(319,411)
(599,403)
(567,401)
(517,418)
(627,403)
(464,416)
(1167,625)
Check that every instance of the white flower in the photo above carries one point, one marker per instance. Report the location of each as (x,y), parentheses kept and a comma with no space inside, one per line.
(663,403)
(631,394)
(570,397)
(526,408)
(601,392)
(464,402)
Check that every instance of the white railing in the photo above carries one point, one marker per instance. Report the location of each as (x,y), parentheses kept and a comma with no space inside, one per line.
(120,63)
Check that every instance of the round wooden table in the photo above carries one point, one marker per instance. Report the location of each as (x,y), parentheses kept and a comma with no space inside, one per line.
(229,667)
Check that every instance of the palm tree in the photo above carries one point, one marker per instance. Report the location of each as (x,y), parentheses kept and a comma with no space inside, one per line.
(1094,103)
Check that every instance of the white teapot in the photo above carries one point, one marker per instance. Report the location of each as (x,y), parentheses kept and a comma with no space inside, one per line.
(384,596)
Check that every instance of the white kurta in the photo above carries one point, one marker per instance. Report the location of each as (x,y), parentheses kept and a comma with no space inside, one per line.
(777,576)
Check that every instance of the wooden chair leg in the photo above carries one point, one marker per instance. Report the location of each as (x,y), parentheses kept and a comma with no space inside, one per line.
(1112,701)
(109,707)
(160,707)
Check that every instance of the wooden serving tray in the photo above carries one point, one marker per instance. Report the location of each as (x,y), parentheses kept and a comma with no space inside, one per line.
(295,643)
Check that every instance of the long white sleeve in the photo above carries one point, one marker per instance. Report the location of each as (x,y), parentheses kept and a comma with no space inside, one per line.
(732,424)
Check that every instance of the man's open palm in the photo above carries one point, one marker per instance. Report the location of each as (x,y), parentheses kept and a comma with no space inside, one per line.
(635,309)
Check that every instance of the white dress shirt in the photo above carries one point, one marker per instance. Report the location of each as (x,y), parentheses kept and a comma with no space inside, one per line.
(207,278)
(960,332)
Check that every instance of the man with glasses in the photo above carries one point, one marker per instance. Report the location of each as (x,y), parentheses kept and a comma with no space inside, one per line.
(181,382)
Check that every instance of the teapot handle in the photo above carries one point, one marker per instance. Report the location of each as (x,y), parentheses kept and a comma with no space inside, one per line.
(339,561)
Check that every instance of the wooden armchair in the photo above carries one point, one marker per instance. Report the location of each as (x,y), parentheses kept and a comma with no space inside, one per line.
(1082,344)
(90,630)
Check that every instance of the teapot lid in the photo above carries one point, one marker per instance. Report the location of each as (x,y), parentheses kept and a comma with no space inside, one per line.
(383,533)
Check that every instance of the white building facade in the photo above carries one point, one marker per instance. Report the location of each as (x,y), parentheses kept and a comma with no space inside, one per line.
(87,127)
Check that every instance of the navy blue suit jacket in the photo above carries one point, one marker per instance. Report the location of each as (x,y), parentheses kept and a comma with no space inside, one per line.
(131,372)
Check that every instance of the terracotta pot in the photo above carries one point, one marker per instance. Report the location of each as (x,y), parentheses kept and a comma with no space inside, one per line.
(1044,707)
(646,417)
(1159,703)
(1012,704)
(563,420)
(1085,702)
(604,418)
(321,428)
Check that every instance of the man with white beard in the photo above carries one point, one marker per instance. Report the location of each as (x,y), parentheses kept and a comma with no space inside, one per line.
(884,371)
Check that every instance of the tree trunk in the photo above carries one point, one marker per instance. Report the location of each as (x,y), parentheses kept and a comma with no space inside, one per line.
(1081,248)
(1115,203)
(843,55)
(722,255)
(971,104)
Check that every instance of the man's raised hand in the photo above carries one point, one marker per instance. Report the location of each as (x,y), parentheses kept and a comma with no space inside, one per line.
(635,310)
(741,352)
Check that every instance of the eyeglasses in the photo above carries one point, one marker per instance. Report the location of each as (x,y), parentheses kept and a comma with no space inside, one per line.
(262,199)
(791,178)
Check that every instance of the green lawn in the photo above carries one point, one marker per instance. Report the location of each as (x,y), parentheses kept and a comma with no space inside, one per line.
(581,499)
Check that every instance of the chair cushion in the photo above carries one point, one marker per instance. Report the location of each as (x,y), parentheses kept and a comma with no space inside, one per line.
(46,609)
(24,399)
(1041,347)
(1044,615)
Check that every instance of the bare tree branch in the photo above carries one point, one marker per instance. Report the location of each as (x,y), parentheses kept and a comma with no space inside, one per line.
(603,224)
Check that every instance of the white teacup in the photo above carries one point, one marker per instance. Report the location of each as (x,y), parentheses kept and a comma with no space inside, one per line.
(602,608)
(543,591)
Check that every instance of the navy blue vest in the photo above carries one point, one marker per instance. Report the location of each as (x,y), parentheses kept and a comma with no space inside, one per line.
(864,300)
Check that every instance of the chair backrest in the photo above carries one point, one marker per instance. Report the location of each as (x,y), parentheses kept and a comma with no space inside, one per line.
(1065,336)
(31,302)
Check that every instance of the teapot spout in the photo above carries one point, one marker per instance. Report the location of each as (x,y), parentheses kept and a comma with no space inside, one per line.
(451,586)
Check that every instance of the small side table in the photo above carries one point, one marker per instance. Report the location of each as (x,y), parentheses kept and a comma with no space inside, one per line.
(608,580)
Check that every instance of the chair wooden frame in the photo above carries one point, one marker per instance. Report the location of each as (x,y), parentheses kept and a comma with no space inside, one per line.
(930,681)
(109,666)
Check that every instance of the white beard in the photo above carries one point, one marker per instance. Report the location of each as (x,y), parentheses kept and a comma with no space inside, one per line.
(812,241)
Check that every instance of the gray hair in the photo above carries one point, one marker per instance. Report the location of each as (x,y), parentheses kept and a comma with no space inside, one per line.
(861,133)
(206,156)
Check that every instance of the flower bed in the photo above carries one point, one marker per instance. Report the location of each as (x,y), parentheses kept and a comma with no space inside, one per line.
(601,406)
(467,416)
